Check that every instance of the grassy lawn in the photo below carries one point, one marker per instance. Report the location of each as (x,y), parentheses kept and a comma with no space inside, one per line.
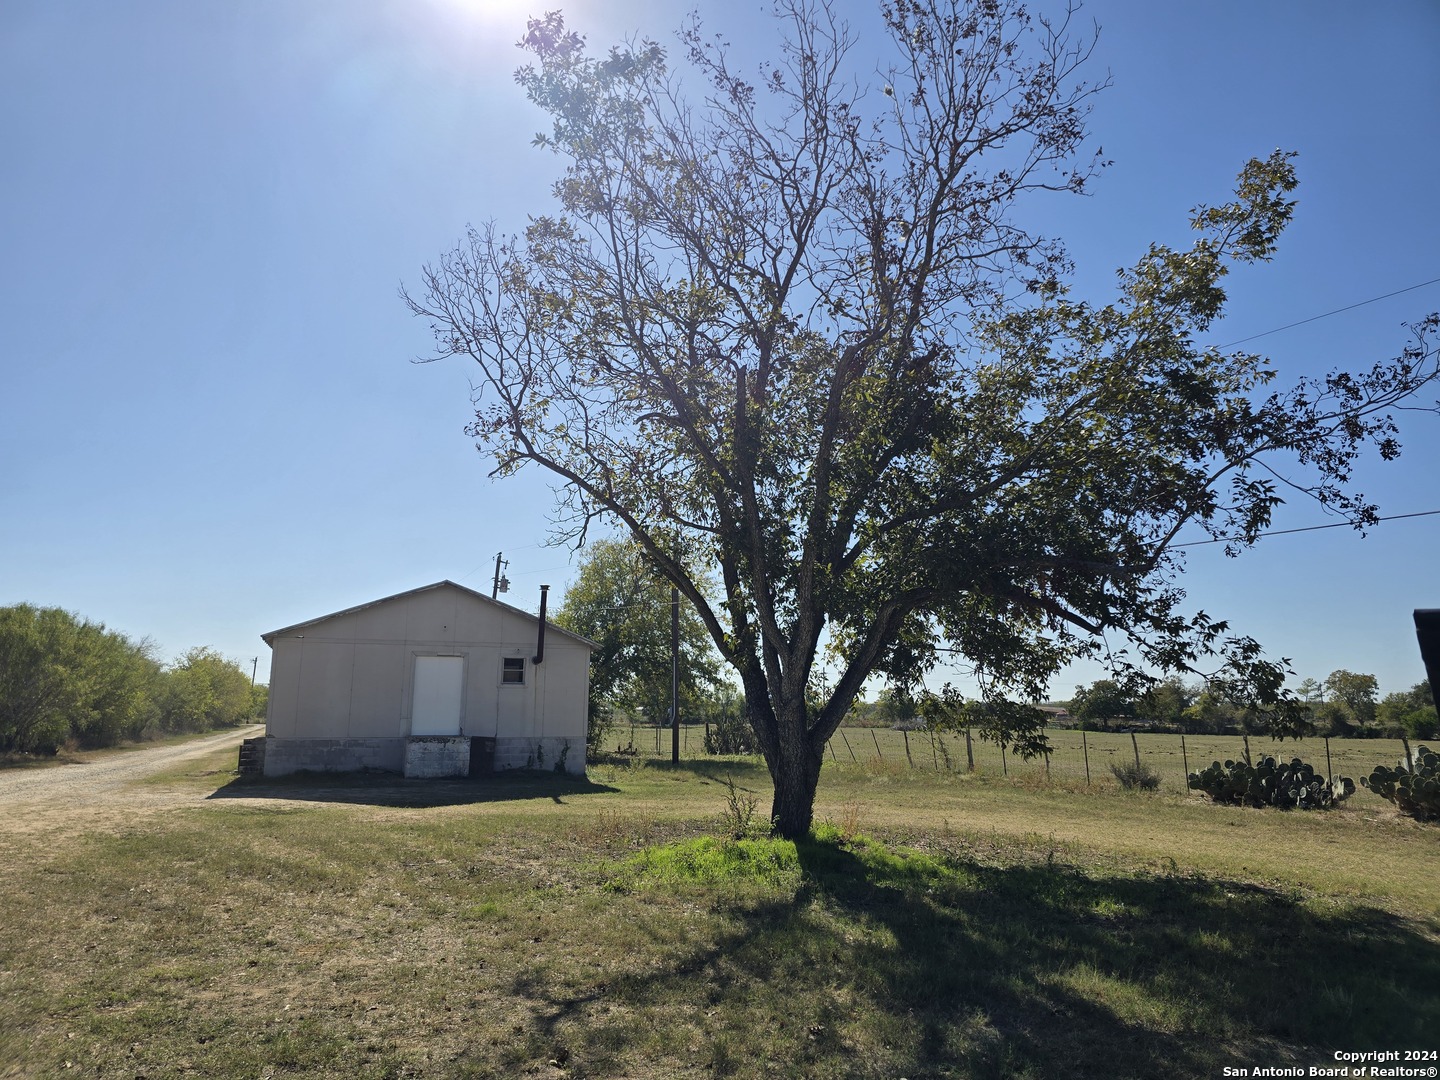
(938,925)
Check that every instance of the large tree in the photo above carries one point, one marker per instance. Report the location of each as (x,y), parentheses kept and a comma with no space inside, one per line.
(1354,693)
(790,331)
(1101,702)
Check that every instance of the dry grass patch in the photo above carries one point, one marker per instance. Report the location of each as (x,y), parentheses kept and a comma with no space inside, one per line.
(533,925)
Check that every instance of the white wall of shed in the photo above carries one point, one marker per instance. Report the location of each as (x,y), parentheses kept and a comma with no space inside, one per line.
(352,676)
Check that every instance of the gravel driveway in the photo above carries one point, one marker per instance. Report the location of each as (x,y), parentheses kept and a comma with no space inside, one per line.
(35,800)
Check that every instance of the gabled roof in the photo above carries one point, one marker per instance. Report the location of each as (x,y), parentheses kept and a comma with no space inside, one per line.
(269,638)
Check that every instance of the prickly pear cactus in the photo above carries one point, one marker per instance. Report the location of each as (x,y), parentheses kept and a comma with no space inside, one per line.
(1291,785)
(1416,792)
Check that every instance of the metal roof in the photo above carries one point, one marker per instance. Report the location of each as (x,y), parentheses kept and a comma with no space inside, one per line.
(269,638)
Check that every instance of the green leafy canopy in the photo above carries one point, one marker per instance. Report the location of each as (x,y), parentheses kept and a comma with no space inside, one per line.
(792,338)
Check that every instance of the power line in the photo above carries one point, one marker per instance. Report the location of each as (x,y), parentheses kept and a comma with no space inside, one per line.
(1337,311)
(1307,528)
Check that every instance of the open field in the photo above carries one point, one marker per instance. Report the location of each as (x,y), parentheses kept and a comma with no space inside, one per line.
(533,925)
(1076,754)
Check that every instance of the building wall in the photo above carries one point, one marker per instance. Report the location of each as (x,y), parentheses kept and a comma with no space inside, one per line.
(350,677)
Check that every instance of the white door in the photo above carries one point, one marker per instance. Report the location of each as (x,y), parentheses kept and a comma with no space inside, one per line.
(435,706)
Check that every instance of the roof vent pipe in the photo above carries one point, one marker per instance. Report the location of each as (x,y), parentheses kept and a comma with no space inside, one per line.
(540,639)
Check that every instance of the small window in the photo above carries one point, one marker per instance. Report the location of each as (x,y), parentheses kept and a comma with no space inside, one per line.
(513,671)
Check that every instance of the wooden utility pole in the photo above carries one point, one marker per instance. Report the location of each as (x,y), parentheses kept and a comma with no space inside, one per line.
(674,675)
(500,584)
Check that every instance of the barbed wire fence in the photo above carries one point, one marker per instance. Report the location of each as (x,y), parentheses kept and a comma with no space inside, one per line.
(1076,758)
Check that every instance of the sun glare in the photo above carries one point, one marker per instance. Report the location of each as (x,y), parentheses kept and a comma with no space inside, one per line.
(509,11)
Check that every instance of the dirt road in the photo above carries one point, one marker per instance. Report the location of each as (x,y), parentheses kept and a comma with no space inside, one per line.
(41,800)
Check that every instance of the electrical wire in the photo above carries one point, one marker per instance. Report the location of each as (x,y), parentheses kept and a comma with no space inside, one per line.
(1326,315)
(1307,528)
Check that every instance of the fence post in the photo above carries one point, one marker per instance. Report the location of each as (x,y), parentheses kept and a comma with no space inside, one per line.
(1409,758)
(1004,765)
(1329,768)
(830,744)
(1136,744)
(848,747)
(969,752)
(934,758)
(1047,766)
(1085,748)
(907,747)
(877,745)
(1185,764)
(1245,739)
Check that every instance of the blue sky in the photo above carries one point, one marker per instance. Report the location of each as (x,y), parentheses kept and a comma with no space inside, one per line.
(209,424)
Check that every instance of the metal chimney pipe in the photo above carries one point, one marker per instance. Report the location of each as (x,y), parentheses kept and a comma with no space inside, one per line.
(540,639)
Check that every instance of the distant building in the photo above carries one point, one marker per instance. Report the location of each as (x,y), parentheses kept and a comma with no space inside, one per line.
(437,681)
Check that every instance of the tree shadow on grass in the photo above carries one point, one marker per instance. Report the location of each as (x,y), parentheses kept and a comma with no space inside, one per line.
(884,964)
(709,767)
(388,789)
(741,770)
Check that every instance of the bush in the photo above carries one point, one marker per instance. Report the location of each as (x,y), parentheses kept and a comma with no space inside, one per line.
(738,818)
(1136,776)
(598,727)
(730,733)
(1421,723)
(1291,785)
(1416,790)
(64,678)
(41,683)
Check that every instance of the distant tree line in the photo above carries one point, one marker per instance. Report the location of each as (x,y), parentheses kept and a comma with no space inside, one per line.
(1345,704)
(620,601)
(65,680)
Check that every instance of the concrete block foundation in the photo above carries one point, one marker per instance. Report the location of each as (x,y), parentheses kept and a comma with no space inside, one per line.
(286,756)
(522,753)
(421,756)
(437,755)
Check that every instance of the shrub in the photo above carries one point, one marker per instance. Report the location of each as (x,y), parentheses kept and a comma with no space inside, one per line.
(63,678)
(1136,776)
(738,818)
(730,733)
(1416,790)
(1289,785)
(204,690)
(1421,723)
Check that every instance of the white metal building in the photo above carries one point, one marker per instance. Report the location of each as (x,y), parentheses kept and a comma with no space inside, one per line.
(437,681)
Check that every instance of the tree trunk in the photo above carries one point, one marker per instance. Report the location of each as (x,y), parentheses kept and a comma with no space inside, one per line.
(796,773)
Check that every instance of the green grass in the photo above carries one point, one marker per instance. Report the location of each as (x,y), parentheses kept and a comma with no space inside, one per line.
(881,749)
(937,924)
